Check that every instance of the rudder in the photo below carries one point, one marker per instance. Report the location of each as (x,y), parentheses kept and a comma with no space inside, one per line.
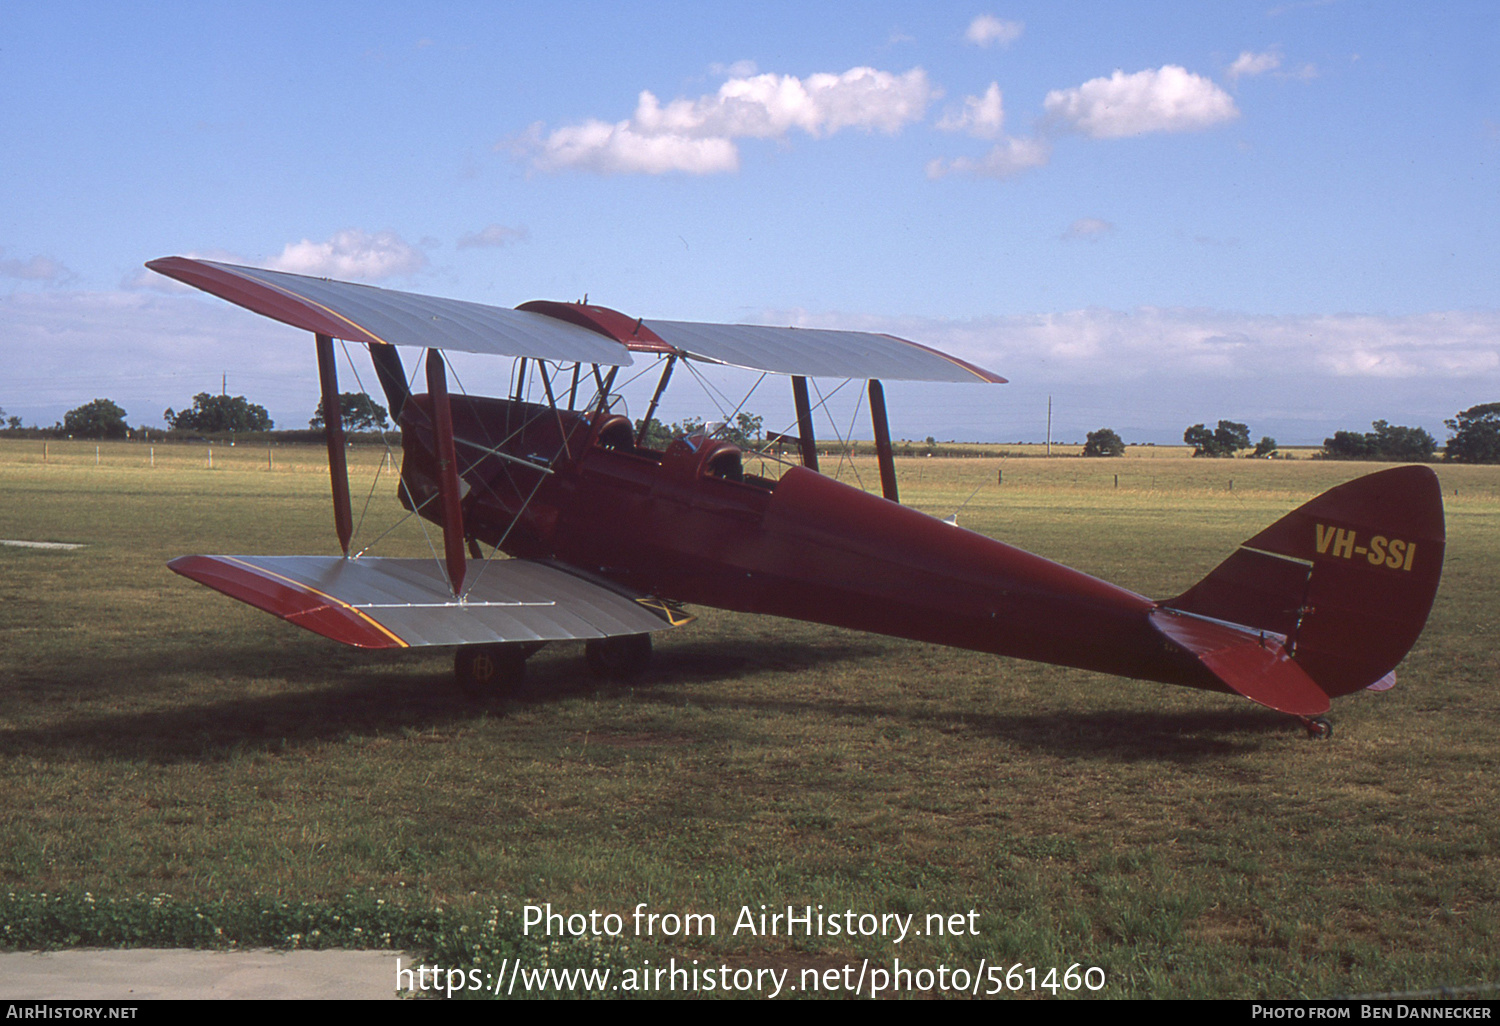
(1348,578)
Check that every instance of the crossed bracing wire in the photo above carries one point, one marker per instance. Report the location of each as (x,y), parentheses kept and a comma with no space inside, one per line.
(522,383)
(492,448)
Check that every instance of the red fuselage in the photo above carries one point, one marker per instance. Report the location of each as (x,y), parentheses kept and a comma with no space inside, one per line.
(689,526)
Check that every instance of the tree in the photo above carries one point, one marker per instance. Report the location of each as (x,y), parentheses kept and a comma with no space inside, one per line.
(1225,440)
(219,413)
(1103,442)
(744,432)
(1476,435)
(1387,442)
(1403,444)
(653,434)
(98,419)
(1349,445)
(1265,448)
(14,423)
(358,410)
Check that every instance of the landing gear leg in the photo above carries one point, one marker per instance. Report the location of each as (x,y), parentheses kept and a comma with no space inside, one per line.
(619,657)
(490,671)
(1318,728)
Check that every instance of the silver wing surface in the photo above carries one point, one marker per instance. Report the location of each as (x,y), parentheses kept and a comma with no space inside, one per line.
(363,313)
(405,603)
(816,352)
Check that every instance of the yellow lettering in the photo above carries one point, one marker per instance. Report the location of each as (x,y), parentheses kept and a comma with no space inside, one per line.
(1377,550)
(1411,550)
(1343,545)
(1325,536)
(1398,548)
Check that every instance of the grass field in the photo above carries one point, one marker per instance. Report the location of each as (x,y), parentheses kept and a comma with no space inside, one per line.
(177,767)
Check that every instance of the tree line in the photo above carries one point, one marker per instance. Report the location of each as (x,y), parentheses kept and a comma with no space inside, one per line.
(1475,439)
(1475,431)
(208,414)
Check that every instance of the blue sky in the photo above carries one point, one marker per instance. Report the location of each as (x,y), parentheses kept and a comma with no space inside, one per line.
(1155,213)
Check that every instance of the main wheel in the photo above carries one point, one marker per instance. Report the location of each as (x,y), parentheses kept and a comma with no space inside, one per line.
(1319,729)
(618,657)
(485,671)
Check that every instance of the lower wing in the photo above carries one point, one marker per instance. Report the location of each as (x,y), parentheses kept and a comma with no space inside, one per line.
(404,603)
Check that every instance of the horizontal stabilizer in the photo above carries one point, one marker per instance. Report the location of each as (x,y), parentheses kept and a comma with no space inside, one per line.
(1248,662)
(403,603)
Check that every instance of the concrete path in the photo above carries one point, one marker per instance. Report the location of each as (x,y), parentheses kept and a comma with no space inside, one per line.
(154,973)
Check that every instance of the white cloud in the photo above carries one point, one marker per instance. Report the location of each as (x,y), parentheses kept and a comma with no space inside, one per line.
(1157,343)
(352,253)
(739,69)
(1249,64)
(697,136)
(982,116)
(1169,99)
(1009,158)
(147,352)
(987,29)
(494,235)
(39,268)
(621,149)
(1148,372)
(1088,228)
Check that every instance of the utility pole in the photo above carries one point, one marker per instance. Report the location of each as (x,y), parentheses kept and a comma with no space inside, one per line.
(1049,427)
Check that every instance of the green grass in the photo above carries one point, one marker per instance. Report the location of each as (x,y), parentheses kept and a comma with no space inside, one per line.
(172,754)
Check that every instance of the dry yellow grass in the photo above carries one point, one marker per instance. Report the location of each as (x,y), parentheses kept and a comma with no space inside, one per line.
(155,737)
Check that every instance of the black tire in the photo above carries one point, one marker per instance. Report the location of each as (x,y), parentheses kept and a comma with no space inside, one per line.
(619,657)
(489,671)
(1320,729)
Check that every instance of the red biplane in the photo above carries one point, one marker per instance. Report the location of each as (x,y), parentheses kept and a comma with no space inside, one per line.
(607,538)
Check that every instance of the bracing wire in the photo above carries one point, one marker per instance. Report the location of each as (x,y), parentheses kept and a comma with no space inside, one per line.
(349,360)
(833,426)
(390,454)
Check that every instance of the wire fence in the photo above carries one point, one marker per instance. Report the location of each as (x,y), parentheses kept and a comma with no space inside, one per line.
(1126,478)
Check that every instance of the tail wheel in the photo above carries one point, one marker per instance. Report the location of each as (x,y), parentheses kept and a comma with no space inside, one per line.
(1319,729)
(485,671)
(618,657)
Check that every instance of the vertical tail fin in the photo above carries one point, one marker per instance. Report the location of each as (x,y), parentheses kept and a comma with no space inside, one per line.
(1347,578)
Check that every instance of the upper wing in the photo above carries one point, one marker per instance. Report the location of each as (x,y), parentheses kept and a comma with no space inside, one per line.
(363,313)
(561,331)
(816,352)
(807,352)
(404,603)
